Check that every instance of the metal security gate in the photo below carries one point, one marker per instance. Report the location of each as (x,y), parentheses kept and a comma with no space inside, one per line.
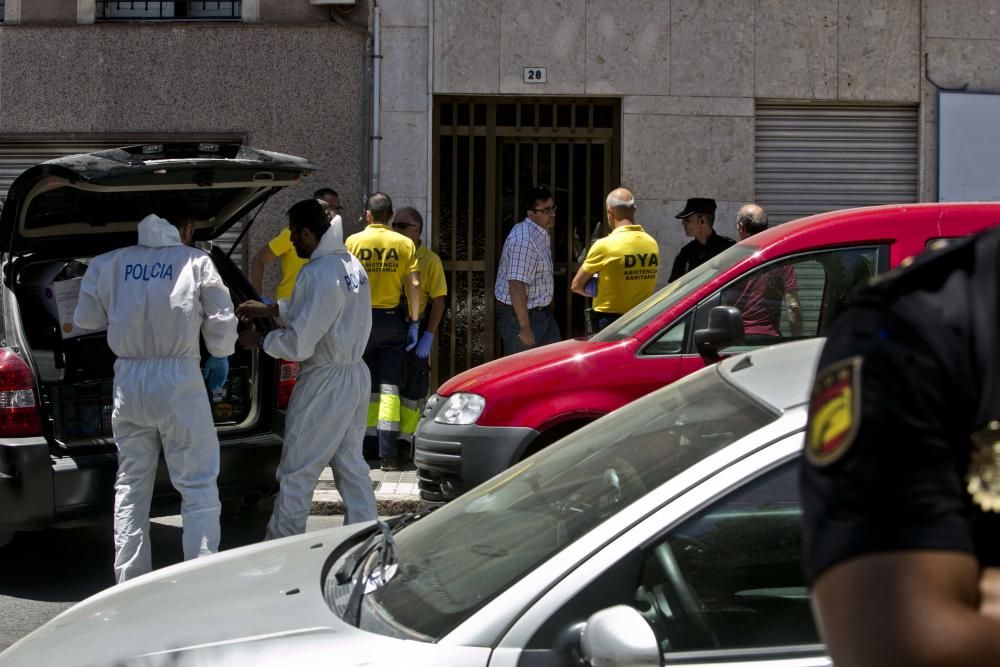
(18,155)
(816,158)
(488,152)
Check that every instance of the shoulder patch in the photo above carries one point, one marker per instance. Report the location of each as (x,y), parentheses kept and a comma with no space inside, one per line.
(983,478)
(834,410)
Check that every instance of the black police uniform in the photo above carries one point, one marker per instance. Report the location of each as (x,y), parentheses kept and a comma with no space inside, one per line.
(695,254)
(899,444)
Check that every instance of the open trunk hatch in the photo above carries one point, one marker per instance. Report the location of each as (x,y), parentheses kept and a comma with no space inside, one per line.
(104,195)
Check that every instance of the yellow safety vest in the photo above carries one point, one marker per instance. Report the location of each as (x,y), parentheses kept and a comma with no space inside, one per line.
(627,262)
(289,260)
(388,257)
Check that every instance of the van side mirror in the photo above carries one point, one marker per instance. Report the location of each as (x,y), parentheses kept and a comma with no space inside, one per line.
(725,328)
(619,637)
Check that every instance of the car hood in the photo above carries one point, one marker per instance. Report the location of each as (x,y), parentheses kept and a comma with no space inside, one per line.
(258,605)
(525,367)
(102,196)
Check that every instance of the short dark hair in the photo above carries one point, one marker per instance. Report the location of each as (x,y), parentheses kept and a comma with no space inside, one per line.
(413,213)
(311,214)
(323,192)
(380,204)
(536,195)
(176,210)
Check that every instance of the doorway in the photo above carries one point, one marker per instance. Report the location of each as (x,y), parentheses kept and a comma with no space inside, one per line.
(488,152)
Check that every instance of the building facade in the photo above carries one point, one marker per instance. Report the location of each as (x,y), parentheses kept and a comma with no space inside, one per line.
(273,74)
(801,105)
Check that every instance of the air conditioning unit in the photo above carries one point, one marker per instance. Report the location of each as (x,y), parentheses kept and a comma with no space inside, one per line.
(342,3)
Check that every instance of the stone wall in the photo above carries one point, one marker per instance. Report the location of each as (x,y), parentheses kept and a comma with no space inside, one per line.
(688,71)
(297,87)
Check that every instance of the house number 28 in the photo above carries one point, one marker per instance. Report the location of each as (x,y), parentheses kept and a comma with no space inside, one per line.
(535,75)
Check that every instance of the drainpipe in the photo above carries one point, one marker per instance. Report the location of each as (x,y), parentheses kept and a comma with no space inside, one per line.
(376,134)
(430,225)
(369,96)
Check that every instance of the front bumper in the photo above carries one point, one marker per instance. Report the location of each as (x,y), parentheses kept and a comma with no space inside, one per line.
(452,459)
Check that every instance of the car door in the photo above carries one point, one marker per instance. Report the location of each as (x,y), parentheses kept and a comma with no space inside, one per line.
(723,584)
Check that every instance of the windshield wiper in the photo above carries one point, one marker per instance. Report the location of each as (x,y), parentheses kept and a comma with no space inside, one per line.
(354,564)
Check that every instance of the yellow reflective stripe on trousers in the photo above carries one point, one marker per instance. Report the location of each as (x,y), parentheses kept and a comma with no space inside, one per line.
(409,417)
(388,408)
(373,401)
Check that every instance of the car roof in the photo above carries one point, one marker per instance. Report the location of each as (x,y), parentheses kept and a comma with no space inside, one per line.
(874,223)
(780,375)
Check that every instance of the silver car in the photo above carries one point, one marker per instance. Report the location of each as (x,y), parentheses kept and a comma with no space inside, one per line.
(665,533)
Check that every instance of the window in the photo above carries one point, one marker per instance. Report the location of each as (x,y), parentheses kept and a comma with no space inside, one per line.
(670,341)
(189,10)
(731,577)
(639,317)
(795,298)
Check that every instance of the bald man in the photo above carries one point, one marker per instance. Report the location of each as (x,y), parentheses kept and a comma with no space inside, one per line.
(621,269)
(761,296)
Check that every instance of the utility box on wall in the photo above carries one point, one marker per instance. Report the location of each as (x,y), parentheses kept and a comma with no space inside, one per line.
(968,146)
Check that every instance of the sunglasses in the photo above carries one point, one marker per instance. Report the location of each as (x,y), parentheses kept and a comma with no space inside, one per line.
(403,225)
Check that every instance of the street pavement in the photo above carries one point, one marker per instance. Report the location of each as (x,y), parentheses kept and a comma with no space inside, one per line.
(44,572)
(395,492)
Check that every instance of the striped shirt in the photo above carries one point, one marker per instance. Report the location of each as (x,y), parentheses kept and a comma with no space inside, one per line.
(527,258)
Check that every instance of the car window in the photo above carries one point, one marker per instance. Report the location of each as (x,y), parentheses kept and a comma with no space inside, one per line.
(797,297)
(636,319)
(671,341)
(731,576)
(528,514)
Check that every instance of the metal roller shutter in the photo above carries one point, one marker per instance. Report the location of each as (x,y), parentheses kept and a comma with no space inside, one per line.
(812,159)
(16,156)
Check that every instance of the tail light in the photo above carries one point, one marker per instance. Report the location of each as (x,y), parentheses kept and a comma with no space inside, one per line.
(288,373)
(18,409)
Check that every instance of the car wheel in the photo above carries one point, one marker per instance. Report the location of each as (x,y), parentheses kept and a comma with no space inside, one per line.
(5,538)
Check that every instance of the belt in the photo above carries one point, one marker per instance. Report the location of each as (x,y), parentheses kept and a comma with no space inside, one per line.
(537,309)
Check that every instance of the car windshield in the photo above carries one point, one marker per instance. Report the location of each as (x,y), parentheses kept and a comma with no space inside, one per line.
(636,319)
(460,557)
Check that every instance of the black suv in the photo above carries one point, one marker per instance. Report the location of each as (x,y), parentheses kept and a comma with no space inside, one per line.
(57,456)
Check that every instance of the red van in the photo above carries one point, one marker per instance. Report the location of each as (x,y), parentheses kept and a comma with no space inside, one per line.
(489,417)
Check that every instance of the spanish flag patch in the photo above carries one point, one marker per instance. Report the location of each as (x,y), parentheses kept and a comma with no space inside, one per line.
(834,411)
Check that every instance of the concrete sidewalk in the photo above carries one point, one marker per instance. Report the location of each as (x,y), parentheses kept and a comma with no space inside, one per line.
(395,492)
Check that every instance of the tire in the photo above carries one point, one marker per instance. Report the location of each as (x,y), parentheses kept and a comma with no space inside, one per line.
(5,538)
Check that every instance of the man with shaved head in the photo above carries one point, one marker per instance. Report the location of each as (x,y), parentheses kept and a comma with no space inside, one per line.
(762,295)
(621,269)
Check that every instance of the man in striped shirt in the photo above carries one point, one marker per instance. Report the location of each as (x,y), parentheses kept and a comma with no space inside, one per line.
(524,286)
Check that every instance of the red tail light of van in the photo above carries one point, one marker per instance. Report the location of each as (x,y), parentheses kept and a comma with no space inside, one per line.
(19,414)
(288,372)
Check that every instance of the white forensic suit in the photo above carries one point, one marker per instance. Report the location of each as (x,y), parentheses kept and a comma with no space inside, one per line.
(155,299)
(327,322)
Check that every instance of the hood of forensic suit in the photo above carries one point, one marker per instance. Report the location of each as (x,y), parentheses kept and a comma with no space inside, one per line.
(101,197)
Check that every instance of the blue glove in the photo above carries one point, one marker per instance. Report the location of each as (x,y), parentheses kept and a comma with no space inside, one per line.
(591,287)
(411,335)
(215,372)
(424,346)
